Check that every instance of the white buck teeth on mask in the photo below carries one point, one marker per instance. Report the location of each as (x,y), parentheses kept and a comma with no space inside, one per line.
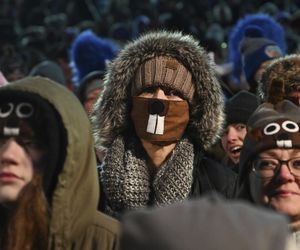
(284,143)
(11,131)
(156,124)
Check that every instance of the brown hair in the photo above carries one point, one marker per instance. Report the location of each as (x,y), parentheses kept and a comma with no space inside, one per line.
(26,224)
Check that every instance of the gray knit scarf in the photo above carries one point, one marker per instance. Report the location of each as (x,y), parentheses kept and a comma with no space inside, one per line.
(127,180)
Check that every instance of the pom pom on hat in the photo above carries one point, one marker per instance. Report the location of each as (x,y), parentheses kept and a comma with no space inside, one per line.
(91,53)
(253,31)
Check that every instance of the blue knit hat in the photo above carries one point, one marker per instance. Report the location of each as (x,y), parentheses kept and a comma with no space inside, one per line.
(271,29)
(256,49)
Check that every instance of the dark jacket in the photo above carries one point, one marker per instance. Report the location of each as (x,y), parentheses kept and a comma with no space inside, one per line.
(230,164)
(209,175)
(75,222)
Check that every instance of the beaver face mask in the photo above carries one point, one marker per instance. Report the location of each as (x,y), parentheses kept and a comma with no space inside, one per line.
(158,120)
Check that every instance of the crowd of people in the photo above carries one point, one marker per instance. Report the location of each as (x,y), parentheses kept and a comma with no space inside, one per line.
(126,125)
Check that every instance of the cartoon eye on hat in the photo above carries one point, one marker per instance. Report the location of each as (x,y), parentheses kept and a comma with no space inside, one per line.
(10,110)
(282,132)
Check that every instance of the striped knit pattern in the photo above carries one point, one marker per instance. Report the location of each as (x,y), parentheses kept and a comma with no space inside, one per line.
(164,71)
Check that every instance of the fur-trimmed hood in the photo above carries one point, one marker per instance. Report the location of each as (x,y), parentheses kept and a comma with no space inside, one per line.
(111,114)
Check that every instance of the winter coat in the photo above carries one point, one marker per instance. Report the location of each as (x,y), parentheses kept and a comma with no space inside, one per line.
(209,175)
(75,222)
(230,164)
(124,181)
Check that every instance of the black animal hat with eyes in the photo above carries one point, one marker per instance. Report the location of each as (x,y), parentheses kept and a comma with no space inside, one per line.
(270,126)
(274,126)
(30,119)
(20,119)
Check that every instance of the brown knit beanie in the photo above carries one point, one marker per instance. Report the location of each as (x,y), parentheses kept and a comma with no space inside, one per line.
(164,71)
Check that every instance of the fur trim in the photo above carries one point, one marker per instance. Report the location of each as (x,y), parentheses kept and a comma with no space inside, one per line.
(287,69)
(272,30)
(111,115)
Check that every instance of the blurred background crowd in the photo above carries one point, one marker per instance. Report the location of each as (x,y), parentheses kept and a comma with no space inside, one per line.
(33,31)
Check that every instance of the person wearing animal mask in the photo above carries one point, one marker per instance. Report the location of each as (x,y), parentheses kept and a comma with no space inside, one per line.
(161,109)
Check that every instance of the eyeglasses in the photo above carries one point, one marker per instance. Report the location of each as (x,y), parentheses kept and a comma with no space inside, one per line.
(268,167)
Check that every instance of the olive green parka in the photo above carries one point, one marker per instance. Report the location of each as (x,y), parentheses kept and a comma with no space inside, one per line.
(75,222)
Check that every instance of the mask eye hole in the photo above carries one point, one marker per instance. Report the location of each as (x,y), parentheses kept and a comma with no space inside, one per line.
(24,110)
(271,128)
(290,126)
(6,109)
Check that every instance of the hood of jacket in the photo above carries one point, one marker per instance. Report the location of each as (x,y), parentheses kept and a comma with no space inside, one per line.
(111,114)
(76,193)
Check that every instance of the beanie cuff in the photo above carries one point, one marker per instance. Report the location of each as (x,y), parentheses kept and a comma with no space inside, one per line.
(164,71)
(238,116)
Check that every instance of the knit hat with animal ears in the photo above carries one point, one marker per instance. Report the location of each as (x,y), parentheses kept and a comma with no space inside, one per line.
(271,29)
(280,78)
(256,49)
(272,125)
(33,122)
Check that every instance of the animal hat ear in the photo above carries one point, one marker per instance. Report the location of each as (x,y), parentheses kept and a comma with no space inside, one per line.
(275,92)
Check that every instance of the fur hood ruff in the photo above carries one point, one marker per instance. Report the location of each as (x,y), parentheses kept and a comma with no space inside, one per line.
(111,115)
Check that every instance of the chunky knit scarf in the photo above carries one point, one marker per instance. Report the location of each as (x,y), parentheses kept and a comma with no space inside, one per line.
(128,183)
